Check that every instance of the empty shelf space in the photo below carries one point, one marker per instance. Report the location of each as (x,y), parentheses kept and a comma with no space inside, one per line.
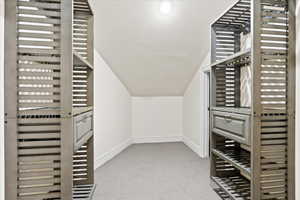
(236,187)
(80,110)
(238,59)
(238,110)
(79,60)
(83,192)
(239,159)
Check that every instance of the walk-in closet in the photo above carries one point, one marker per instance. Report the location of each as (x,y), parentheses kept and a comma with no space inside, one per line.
(149,100)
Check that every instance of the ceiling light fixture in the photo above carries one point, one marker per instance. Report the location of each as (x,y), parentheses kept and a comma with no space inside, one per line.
(166,7)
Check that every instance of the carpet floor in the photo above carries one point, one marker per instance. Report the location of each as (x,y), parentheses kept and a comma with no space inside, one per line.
(167,171)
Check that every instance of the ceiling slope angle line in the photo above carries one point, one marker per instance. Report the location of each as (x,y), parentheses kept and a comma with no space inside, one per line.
(155,67)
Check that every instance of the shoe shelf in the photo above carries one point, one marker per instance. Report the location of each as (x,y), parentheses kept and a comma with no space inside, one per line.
(236,187)
(83,192)
(239,159)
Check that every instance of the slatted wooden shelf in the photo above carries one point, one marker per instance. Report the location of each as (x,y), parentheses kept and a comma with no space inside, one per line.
(238,15)
(80,110)
(240,160)
(237,59)
(236,187)
(81,6)
(79,60)
(49,99)
(222,194)
(83,192)
(82,96)
(246,111)
(76,110)
(252,123)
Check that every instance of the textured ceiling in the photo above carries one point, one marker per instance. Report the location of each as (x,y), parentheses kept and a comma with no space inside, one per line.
(151,53)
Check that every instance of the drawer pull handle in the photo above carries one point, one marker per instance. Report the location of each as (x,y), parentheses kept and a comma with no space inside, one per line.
(228,119)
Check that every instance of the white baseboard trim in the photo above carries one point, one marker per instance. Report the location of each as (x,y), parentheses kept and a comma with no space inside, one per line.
(104,158)
(157,139)
(192,145)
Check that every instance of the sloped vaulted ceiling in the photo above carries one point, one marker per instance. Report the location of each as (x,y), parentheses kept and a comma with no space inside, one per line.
(151,53)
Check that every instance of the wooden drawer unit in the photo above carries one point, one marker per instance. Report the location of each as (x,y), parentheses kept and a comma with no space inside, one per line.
(235,126)
(83,128)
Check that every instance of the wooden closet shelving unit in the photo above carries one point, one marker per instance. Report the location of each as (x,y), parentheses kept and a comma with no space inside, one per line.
(49,76)
(252,111)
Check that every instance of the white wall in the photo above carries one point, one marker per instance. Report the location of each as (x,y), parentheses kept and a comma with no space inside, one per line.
(112,113)
(1,100)
(298,102)
(195,105)
(156,119)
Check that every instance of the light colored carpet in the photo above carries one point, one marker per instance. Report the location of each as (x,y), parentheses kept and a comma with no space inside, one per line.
(167,171)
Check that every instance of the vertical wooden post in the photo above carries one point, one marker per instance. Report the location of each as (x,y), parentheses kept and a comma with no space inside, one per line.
(90,97)
(212,104)
(256,103)
(10,87)
(291,105)
(66,99)
(237,71)
(90,40)
(90,57)
(213,45)
(90,157)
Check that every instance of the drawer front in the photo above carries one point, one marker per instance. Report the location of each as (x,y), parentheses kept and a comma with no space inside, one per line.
(83,128)
(232,125)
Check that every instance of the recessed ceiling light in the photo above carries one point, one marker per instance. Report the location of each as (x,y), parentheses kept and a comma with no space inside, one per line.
(166,7)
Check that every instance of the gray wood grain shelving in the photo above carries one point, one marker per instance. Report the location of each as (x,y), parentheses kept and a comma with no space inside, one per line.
(49,99)
(252,123)
(222,194)
(80,110)
(240,160)
(246,111)
(79,60)
(83,103)
(83,192)
(236,59)
(237,188)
